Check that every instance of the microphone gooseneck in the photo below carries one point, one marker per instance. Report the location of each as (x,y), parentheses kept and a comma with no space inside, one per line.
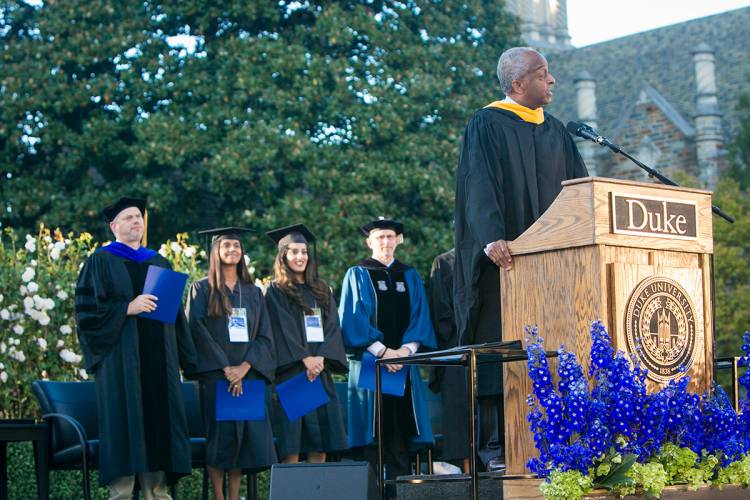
(582,130)
(579,129)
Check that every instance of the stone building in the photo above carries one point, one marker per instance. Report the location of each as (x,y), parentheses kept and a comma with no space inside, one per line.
(668,96)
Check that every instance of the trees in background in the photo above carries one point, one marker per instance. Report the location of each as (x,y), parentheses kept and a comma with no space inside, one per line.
(258,114)
(732,244)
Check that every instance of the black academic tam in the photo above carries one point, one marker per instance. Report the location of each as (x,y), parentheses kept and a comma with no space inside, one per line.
(109,213)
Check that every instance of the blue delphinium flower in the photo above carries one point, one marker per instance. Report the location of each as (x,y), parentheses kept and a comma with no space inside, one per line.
(574,390)
(565,423)
(682,424)
(574,427)
(619,390)
(745,361)
(546,426)
(744,380)
(721,430)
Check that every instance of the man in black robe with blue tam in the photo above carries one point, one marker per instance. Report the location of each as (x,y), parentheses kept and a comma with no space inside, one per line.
(143,429)
(514,157)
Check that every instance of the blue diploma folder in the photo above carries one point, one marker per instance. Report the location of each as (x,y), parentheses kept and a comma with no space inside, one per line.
(251,405)
(298,396)
(168,286)
(390,383)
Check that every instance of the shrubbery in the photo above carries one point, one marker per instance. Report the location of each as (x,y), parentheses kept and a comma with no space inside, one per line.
(37,340)
(38,275)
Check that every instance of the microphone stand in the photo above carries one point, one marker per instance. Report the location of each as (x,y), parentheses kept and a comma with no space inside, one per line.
(662,178)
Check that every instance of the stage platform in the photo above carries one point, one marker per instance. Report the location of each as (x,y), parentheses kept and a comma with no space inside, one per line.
(448,486)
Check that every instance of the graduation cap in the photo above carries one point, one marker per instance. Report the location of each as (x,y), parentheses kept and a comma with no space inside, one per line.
(224,233)
(382,223)
(109,213)
(296,233)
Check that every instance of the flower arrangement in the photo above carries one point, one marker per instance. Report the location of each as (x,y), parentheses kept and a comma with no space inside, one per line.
(37,322)
(607,431)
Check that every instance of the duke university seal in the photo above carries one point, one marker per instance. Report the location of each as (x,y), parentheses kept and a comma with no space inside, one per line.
(660,327)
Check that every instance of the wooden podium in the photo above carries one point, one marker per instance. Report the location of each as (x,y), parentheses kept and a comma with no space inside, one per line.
(635,255)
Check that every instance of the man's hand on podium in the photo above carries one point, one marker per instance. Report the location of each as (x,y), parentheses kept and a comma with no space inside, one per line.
(499,253)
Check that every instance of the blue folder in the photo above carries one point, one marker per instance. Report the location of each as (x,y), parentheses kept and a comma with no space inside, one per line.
(168,286)
(390,383)
(298,396)
(251,405)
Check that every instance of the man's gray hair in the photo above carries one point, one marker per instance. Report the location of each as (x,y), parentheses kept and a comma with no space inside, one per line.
(513,65)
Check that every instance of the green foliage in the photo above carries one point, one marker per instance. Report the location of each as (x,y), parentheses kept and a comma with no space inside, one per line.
(731,273)
(707,466)
(66,485)
(624,476)
(37,322)
(649,477)
(740,148)
(568,485)
(737,473)
(732,242)
(682,466)
(613,469)
(330,113)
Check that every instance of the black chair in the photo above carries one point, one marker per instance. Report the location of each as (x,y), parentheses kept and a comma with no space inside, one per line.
(69,408)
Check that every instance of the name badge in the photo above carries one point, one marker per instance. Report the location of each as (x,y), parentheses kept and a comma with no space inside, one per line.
(314,326)
(238,325)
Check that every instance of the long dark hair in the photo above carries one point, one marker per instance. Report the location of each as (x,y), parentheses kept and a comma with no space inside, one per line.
(284,278)
(219,304)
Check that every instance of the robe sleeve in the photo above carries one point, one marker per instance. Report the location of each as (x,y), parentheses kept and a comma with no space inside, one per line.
(333,342)
(210,355)
(485,203)
(100,315)
(261,353)
(286,325)
(356,309)
(441,303)
(419,329)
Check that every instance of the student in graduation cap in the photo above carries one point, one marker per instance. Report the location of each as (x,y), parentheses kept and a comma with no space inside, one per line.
(143,432)
(384,311)
(308,339)
(232,335)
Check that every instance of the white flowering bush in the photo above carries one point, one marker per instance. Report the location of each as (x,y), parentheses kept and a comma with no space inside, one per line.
(37,305)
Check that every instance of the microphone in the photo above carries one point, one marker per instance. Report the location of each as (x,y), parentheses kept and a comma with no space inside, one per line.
(582,130)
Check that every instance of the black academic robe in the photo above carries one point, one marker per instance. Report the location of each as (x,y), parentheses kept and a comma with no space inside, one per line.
(136,362)
(233,444)
(322,429)
(449,381)
(509,172)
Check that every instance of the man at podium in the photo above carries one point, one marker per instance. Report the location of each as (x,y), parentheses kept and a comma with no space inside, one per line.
(513,159)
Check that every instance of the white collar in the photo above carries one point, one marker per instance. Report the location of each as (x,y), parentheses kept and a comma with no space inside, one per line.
(388,264)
